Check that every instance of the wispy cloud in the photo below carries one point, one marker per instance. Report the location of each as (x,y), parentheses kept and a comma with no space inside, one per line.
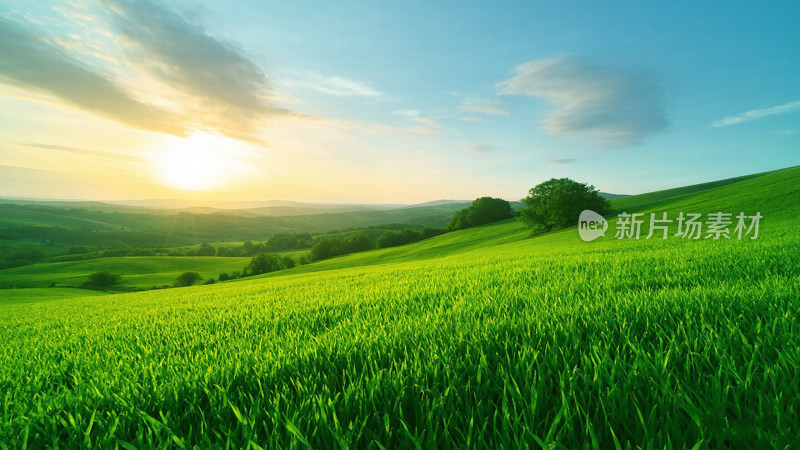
(491,107)
(32,62)
(85,152)
(614,106)
(230,90)
(756,114)
(564,161)
(478,148)
(471,119)
(343,87)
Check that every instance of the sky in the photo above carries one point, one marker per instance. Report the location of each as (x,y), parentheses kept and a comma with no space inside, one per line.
(390,102)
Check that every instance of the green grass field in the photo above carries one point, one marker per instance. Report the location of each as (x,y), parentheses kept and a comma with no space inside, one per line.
(138,272)
(481,338)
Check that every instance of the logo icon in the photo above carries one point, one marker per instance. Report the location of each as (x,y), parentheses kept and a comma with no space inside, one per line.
(591,225)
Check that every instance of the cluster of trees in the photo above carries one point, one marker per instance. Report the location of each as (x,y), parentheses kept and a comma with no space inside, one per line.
(329,247)
(278,242)
(483,210)
(395,238)
(20,258)
(268,262)
(261,263)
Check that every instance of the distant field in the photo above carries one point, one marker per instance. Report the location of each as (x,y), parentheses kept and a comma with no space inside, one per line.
(138,271)
(8,296)
(481,338)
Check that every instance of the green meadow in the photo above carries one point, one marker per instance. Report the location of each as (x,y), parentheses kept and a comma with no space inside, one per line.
(486,338)
(139,272)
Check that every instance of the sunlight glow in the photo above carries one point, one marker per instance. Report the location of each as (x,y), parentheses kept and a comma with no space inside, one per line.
(198,162)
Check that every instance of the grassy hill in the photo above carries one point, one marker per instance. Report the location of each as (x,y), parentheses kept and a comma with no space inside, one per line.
(78,226)
(481,338)
(139,272)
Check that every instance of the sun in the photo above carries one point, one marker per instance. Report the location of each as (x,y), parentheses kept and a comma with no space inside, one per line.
(196,163)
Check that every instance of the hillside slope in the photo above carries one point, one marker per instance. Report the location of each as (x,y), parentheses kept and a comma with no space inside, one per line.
(487,338)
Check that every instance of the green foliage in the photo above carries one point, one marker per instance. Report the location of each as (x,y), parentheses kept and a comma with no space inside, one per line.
(483,210)
(187,279)
(327,247)
(102,280)
(287,262)
(557,203)
(206,250)
(264,263)
(20,258)
(356,243)
(324,248)
(223,276)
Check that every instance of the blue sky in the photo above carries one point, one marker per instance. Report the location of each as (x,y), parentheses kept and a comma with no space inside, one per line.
(391,101)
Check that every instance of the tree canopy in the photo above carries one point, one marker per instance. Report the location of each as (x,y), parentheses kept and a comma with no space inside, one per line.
(482,210)
(557,203)
(100,280)
(187,279)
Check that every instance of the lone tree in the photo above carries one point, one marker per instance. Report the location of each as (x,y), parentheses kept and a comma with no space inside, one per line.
(187,279)
(558,202)
(481,211)
(101,280)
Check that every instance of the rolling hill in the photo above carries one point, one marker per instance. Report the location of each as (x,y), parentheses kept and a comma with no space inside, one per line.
(480,338)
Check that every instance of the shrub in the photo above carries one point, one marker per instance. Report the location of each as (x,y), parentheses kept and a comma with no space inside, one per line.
(101,280)
(187,279)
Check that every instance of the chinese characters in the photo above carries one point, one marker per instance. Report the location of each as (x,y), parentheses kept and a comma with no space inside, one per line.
(689,226)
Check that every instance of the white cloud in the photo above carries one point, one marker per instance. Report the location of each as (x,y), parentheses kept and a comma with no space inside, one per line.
(491,107)
(343,87)
(614,106)
(757,114)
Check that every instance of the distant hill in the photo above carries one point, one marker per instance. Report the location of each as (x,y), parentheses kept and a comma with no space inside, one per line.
(95,223)
(608,196)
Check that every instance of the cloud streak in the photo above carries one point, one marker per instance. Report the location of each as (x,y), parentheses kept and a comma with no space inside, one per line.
(343,87)
(91,153)
(32,62)
(756,114)
(491,107)
(231,92)
(614,106)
